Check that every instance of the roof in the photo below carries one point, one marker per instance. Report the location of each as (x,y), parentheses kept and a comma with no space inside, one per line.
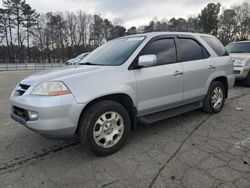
(153,34)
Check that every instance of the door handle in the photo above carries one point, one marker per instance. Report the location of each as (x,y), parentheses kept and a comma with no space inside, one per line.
(211,67)
(178,73)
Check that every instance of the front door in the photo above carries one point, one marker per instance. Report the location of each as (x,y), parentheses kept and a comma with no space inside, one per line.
(160,87)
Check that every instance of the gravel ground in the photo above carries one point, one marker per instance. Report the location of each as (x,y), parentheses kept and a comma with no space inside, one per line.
(191,150)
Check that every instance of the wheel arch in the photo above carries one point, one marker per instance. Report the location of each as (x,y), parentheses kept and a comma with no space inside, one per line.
(124,99)
(224,81)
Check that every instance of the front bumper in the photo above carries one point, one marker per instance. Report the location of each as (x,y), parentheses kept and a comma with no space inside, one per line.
(58,115)
(241,72)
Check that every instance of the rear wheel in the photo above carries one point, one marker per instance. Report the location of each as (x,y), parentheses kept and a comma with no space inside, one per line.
(215,98)
(104,127)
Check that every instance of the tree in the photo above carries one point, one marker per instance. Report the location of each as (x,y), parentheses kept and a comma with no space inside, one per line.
(39,33)
(150,27)
(1,26)
(193,24)
(108,26)
(97,31)
(18,19)
(82,28)
(179,25)
(209,18)
(118,31)
(227,26)
(30,20)
(132,30)
(4,29)
(56,34)
(243,19)
(71,25)
(9,25)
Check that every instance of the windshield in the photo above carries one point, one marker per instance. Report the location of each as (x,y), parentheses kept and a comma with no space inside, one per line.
(115,52)
(241,47)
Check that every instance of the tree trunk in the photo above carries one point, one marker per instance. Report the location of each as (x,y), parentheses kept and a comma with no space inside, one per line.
(28,44)
(7,40)
(18,36)
(11,43)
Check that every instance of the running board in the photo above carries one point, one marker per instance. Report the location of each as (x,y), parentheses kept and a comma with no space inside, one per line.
(158,116)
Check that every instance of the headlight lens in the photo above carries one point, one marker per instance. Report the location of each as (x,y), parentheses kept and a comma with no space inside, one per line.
(50,89)
(239,63)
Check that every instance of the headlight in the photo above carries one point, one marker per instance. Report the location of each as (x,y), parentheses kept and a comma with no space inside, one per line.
(51,89)
(239,63)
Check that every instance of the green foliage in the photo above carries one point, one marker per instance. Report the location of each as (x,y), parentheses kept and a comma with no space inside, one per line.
(209,18)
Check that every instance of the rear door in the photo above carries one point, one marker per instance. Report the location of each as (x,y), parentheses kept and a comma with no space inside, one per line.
(197,68)
(160,87)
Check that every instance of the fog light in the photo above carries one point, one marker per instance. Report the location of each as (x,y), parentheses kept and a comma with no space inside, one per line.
(33,115)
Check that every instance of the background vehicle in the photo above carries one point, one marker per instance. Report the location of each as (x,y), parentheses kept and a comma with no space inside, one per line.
(75,61)
(240,52)
(145,78)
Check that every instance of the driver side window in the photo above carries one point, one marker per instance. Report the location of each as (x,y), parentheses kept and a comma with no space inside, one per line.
(164,49)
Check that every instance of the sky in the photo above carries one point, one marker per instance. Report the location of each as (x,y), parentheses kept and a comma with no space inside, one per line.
(132,12)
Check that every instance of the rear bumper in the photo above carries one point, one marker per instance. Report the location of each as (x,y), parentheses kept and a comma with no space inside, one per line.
(57,116)
(231,81)
(241,72)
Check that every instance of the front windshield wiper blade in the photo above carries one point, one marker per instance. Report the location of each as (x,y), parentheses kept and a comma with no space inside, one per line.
(88,63)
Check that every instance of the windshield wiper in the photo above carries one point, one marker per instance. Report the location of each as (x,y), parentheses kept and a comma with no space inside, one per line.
(88,63)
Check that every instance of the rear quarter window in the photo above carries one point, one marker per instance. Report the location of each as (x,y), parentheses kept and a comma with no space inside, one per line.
(216,45)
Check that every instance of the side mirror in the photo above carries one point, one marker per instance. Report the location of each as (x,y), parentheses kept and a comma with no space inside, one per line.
(147,60)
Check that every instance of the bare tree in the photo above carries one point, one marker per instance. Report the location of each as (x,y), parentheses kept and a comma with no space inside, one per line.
(4,30)
(243,19)
(30,20)
(83,27)
(227,26)
(97,31)
(10,26)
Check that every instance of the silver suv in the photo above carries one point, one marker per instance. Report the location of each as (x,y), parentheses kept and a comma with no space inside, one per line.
(141,78)
(240,52)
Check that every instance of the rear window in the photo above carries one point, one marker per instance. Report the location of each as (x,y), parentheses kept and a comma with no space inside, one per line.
(191,50)
(216,45)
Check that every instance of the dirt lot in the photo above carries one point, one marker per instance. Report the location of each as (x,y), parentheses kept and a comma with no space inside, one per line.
(191,150)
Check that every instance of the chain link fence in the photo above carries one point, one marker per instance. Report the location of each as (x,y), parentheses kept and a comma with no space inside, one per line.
(35,64)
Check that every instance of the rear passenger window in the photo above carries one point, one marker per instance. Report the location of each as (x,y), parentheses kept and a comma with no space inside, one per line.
(164,49)
(216,45)
(191,50)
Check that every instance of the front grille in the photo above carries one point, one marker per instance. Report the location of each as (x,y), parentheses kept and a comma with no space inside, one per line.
(236,71)
(22,113)
(21,89)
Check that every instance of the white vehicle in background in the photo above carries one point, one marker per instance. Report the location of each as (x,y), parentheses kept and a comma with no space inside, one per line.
(240,52)
(75,61)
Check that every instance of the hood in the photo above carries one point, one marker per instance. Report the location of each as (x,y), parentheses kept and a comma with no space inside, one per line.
(60,74)
(240,55)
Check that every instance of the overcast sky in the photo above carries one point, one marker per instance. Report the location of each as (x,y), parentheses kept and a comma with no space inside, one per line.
(132,12)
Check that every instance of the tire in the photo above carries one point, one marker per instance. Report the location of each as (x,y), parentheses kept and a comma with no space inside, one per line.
(247,81)
(208,104)
(116,129)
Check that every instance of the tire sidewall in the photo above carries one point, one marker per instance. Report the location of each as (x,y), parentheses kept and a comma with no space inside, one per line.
(88,125)
(213,86)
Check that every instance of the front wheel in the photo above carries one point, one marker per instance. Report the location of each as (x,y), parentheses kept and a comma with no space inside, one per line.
(215,98)
(104,127)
